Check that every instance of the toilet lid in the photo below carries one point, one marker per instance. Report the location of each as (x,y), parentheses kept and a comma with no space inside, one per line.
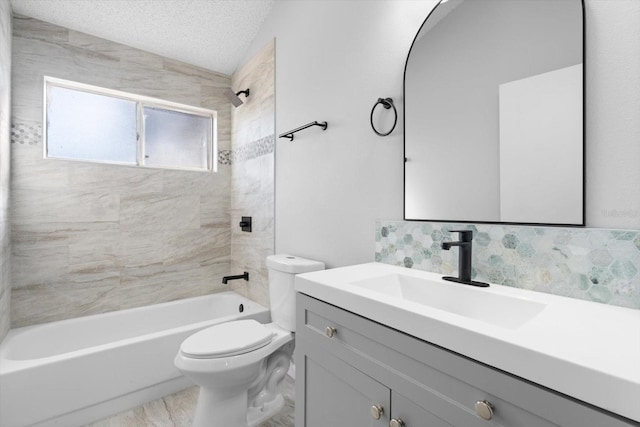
(227,339)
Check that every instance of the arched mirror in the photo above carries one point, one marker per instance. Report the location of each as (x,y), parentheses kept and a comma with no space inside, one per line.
(494,113)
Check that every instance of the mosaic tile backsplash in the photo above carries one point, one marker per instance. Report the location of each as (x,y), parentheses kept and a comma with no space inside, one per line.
(589,264)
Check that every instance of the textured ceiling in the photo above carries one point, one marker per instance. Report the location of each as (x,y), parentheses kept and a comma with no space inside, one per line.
(213,34)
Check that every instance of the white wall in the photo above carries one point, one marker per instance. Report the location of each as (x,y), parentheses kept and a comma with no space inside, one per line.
(335,58)
(613,113)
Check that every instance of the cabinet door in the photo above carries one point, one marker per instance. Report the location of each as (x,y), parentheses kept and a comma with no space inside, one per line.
(336,394)
(413,415)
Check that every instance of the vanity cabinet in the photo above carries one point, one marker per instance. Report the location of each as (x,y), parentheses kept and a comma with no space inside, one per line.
(342,395)
(352,371)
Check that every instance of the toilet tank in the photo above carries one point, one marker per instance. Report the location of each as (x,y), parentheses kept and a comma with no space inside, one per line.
(282,293)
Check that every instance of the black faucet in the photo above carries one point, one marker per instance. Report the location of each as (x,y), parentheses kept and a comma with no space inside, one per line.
(244,276)
(464,259)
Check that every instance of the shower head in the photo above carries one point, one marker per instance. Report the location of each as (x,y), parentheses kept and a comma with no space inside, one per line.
(233,97)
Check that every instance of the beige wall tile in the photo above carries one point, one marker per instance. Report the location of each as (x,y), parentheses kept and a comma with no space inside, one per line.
(211,277)
(203,246)
(157,284)
(63,205)
(5,105)
(159,212)
(46,303)
(140,249)
(90,237)
(118,51)
(39,265)
(252,183)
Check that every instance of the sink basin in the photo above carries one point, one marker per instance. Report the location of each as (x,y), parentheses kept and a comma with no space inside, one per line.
(478,304)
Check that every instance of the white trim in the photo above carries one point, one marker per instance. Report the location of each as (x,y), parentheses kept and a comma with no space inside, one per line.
(133,165)
(213,153)
(44,119)
(129,96)
(141,102)
(140,134)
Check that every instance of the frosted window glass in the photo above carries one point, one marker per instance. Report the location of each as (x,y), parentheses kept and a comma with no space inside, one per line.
(175,139)
(87,126)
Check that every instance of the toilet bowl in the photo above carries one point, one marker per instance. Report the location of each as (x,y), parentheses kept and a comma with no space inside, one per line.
(229,375)
(240,365)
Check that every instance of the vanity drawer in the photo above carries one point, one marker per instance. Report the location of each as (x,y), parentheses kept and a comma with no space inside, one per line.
(442,382)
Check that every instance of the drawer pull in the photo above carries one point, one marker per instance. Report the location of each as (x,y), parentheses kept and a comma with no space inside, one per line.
(330,331)
(396,422)
(484,409)
(376,412)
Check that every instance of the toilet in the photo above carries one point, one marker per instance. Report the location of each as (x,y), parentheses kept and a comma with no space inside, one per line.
(239,365)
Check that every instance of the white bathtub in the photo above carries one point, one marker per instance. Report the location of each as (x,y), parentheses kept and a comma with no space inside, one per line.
(75,371)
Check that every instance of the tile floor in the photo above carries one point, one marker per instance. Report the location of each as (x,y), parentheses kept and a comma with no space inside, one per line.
(177,410)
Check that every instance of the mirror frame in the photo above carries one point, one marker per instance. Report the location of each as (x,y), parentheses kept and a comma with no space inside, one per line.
(584,137)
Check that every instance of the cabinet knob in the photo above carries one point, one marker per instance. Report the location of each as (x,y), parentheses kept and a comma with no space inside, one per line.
(376,412)
(484,409)
(330,331)
(396,422)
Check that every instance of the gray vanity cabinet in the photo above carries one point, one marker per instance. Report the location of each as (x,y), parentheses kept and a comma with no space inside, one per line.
(342,395)
(352,371)
(337,393)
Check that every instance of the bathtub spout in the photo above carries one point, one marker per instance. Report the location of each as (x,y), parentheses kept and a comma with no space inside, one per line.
(244,276)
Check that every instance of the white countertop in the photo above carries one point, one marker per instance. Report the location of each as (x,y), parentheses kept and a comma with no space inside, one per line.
(586,350)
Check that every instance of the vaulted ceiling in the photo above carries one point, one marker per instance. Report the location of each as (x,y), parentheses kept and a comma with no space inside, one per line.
(212,34)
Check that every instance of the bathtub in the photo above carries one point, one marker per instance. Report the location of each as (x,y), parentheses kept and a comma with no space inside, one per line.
(75,371)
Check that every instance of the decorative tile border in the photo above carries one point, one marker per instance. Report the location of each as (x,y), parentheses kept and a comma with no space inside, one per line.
(253,149)
(589,264)
(224,157)
(25,132)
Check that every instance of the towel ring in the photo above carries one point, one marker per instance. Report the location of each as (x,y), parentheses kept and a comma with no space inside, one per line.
(386,103)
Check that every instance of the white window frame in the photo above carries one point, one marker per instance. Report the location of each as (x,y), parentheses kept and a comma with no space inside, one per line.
(141,102)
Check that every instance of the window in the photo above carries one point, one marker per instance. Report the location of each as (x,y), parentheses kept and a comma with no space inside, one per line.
(94,124)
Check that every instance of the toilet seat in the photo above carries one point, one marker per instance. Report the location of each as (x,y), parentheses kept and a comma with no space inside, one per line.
(227,339)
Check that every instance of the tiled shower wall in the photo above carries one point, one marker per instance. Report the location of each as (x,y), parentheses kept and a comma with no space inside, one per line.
(589,264)
(90,238)
(5,118)
(252,183)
